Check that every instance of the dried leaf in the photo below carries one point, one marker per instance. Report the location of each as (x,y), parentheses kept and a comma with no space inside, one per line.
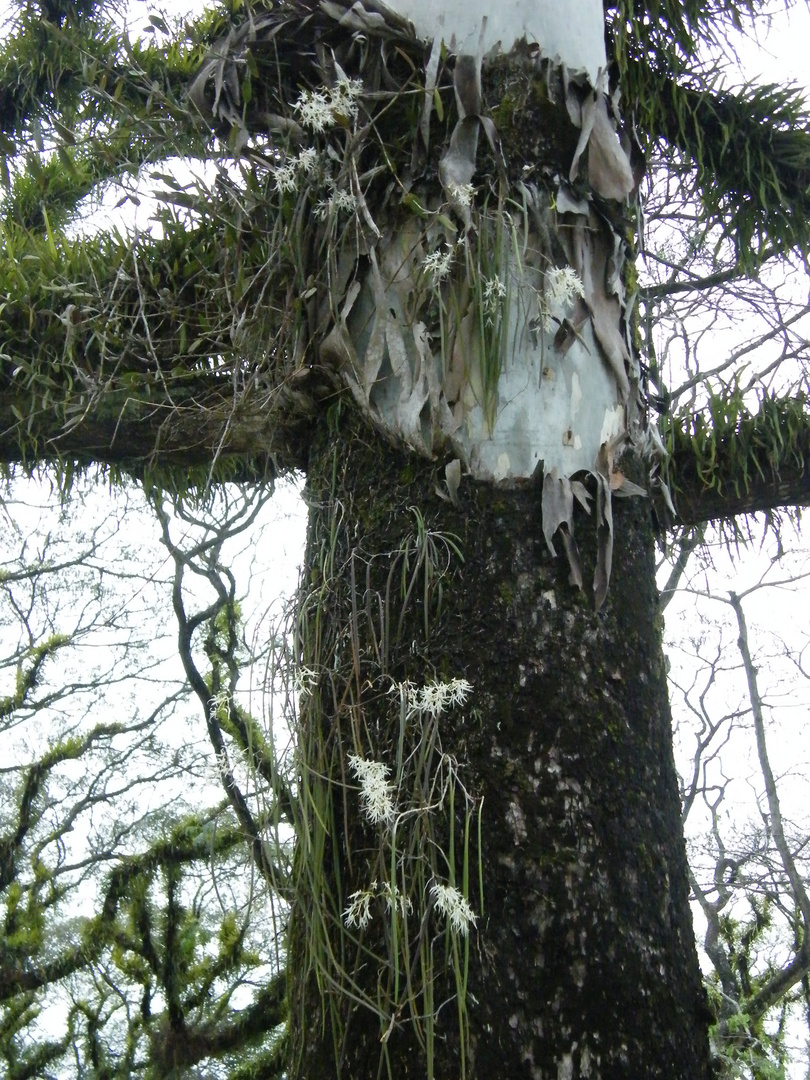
(582,114)
(624,488)
(409,419)
(356,18)
(457,164)
(432,100)
(609,172)
(572,554)
(616,479)
(375,349)
(665,492)
(452,476)
(567,334)
(398,357)
(589,256)
(467,85)
(568,203)
(604,540)
(582,495)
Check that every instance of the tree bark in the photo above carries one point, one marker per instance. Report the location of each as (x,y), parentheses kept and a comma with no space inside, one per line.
(788,489)
(582,962)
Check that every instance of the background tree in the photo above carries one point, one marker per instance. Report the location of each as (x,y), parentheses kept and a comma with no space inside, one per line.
(743,881)
(138,937)
(485,327)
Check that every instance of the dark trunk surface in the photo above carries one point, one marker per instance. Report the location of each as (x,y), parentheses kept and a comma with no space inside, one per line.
(583,962)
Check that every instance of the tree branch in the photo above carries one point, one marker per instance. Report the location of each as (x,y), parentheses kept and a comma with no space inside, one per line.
(730,461)
(774,807)
(225,599)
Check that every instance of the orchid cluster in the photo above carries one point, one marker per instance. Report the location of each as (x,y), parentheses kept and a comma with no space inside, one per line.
(337,201)
(286,177)
(447,900)
(319,110)
(220,703)
(322,109)
(375,789)
(494,295)
(561,287)
(304,680)
(435,698)
(437,264)
(462,194)
(358,913)
(451,903)
(377,800)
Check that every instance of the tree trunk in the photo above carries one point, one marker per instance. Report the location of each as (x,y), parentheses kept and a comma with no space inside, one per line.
(582,961)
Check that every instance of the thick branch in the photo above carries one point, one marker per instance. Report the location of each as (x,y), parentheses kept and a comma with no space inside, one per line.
(246,440)
(697,505)
(736,462)
(142,353)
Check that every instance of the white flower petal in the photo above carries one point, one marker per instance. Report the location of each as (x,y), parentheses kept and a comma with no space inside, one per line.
(449,902)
